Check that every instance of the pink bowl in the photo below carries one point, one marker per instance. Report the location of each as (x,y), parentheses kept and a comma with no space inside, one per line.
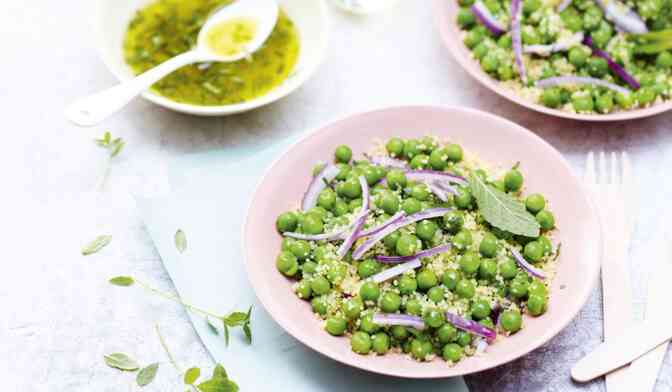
(445,15)
(494,139)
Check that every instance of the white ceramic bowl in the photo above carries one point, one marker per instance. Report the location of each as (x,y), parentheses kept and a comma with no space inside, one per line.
(310,18)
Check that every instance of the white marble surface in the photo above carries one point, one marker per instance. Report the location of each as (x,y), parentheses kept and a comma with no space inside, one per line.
(60,315)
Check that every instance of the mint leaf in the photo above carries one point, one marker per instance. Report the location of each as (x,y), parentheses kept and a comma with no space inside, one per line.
(192,375)
(226,334)
(248,333)
(502,210)
(94,246)
(212,327)
(235,319)
(219,372)
(146,375)
(122,281)
(218,385)
(121,361)
(180,241)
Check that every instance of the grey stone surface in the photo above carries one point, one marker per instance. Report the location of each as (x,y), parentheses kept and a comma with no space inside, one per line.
(59,314)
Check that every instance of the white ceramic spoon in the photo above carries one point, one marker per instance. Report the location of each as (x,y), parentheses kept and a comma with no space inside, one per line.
(95,108)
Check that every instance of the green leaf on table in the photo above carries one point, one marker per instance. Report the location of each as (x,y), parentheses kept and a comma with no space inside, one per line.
(219,372)
(191,375)
(180,241)
(117,145)
(146,375)
(211,326)
(218,385)
(248,333)
(236,319)
(123,281)
(226,334)
(121,361)
(94,246)
(502,210)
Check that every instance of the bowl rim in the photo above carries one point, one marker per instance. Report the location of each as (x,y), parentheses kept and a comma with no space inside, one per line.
(443,24)
(292,83)
(549,333)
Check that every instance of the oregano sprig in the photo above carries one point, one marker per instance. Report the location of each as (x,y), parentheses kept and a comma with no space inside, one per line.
(96,245)
(114,146)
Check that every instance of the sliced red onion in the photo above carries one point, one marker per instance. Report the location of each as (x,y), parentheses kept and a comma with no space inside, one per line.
(482,13)
(369,243)
(446,187)
(565,80)
(618,70)
(623,16)
(425,253)
(471,326)
(433,175)
(387,162)
(559,46)
(564,5)
(527,266)
(438,192)
(333,236)
(517,42)
(405,320)
(373,230)
(318,183)
(396,271)
(359,220)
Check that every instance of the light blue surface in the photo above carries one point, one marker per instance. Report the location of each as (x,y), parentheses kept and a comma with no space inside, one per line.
(209,202)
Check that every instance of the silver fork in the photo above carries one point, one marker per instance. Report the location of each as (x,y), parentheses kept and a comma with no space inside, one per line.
(612,187)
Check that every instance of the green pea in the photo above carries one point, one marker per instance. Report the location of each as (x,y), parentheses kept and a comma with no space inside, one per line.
(366,323)
(505,41)
(395,146)
(505,72)
(530,36)
(390,241)
(286,221)
(602,35)
(453,221)
(344,171)
(388,202)
(664,60)
(438,159)
(488,269)
(287,243)
(407,245)
(533,251)
(436,294)
(411,206)
(352,308)
(604,103)
(396,179)
(511,320)
(411,148)
(336,326)
(337,272)
(312,224)
(645,96)
(426,279)
(488,246)
(578,56)
(420,349)
(490,63)
(546,219)
(300,249)
(369,291)
(508,268)
(480,309)
(452,352)
(546,244)
(624,100)
(343,154)
(551,97)
(536,305)
(420,161)
(463,338)
(355,205)
(513,180)
(309,267)
(454,152)
(407,285)
(463,199)
(420,192)
(380,343)
(341,208)
(518,288)
(427,144)
(368,267)
(450,279)
(487,323)
(287,263)
(434,318)
(320,285)
(465,288)
(447,333)
(413,306)
(399,332)
(538,288)
(582,102)
(349,188)
(529,6)
(390,302)
(360,342)
(327,198)
(597,67)
(319,305)
(592,18)
(317,169)
(572,20)
(535,203)
(303,289)
(462,240)
(426,229)
(469,263)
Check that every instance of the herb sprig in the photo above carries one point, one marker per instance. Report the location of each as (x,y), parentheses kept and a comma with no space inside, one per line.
(114,146)
(96,245)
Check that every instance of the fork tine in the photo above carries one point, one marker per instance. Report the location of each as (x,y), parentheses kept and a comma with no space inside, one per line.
(602,178)
(589,174)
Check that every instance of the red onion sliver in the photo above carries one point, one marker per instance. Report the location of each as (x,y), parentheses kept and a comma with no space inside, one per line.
(359,220)
(527,266)
(483,14)
(387,162)
(369,243)
(618,70)
(317,185)
(396,271)
(516,16)
(471,326)
(438,192)
(564,80)
(373,230)
(405,320)
(564,5)
(559,46)
(623,16)
(425,253)
(432,175)
(446,187)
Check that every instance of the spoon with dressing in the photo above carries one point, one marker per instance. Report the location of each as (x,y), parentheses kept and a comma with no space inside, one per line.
(230,34)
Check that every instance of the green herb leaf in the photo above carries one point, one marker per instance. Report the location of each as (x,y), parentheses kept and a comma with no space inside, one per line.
(121,361)
(117,146)
(502,210)
(146,375)
(226,334)
(248,333)
(122,281)
(94,246)
(235,319)
(180,241)
(211,326)
(219,372)
(191,375)
(218,385)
